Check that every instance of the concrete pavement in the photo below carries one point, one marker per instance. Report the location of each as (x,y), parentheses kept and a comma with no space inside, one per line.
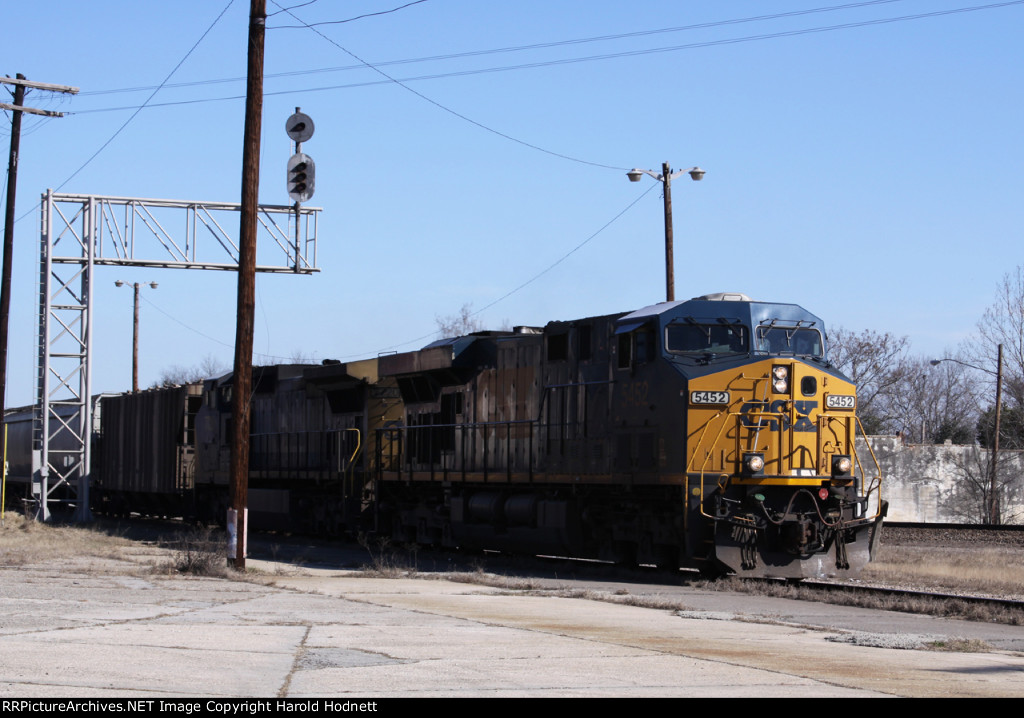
(105,627)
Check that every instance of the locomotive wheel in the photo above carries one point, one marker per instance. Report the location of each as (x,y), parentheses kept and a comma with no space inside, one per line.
(666,557)
(712,572)
(624,553)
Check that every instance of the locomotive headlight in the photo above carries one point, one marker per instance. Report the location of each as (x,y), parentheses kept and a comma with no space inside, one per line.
(753,463)
(780,379)
(841,465)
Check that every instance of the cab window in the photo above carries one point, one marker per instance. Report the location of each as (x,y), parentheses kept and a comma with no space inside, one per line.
(801,341)
(706,339)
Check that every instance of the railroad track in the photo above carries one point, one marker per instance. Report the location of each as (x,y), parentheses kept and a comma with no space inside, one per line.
(845,592)
(908,595)
(902,532)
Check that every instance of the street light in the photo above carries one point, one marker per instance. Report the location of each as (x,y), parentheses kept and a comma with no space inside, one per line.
(993,501)
(666,177)
(135,334)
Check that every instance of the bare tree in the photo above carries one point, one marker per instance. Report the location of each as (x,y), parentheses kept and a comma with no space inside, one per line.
(972,500)
(933,403)
(877,364)
(1003,323)
(987,483)
(302,357)
(459,324)
(211,366)
(176,374)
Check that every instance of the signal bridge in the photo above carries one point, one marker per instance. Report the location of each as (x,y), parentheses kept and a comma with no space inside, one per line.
(81,232)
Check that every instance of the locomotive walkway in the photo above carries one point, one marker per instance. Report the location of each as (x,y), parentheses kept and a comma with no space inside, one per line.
(102,628)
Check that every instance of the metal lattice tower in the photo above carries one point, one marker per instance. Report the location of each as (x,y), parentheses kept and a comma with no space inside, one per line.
(81,232)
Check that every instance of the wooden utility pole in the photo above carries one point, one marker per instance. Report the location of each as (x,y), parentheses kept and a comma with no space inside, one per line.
(241,389)
(20,83)
(994,512)
(670,271)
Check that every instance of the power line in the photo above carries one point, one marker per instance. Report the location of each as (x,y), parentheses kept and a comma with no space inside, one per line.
(565,256)
(552,63)
(529,281)
(516,48)
(338,22)
(205,336)
(460,115)
(139,109)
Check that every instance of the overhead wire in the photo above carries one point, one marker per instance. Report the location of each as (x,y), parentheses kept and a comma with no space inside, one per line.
(515,48)
(551,62)
(351,19)
(389,79)
(616,55)
(125,124)
(529,281)
(449,110)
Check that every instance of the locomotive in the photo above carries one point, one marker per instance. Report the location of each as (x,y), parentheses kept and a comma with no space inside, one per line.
(711,434)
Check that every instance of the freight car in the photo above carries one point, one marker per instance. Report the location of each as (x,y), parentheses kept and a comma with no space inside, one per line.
(711,433)
(312,439)
(22,451)
(144,455)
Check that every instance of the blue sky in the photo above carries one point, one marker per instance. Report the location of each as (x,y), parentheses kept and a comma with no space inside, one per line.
(870,173)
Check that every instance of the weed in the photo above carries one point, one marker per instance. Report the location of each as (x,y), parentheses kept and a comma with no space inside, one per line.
(388,560)
(959,645)
(199,553)
(479,577)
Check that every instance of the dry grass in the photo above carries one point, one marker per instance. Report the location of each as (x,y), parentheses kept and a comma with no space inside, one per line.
(199,552)
(960,645)
(24,541)
(388,560)
(480,577)
(991,570)
(527,586)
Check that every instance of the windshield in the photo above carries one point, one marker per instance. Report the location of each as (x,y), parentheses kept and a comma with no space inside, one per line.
(706,339)
(789,340)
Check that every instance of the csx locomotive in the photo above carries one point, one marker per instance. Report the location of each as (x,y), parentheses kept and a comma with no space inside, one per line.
(710,434)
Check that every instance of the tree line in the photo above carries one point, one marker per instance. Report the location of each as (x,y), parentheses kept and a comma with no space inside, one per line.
(931,400)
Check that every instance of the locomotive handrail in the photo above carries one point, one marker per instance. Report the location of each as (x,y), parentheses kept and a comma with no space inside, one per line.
(349,483)
(876,481)
(406,455)
(707,456)
(548,387)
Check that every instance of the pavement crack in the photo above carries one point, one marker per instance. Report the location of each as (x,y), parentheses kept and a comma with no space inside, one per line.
(300,651)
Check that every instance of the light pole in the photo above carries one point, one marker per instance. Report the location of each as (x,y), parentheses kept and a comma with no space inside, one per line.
(993,499)
(666,177)
(135,334)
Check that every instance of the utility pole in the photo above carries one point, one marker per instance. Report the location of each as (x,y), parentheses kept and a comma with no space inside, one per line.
(666,177)
(20,83)
(993,492)
(670,269)
(135,332)
(242,378)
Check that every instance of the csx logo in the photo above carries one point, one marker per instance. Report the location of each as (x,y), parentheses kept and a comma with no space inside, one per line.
(753,415)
